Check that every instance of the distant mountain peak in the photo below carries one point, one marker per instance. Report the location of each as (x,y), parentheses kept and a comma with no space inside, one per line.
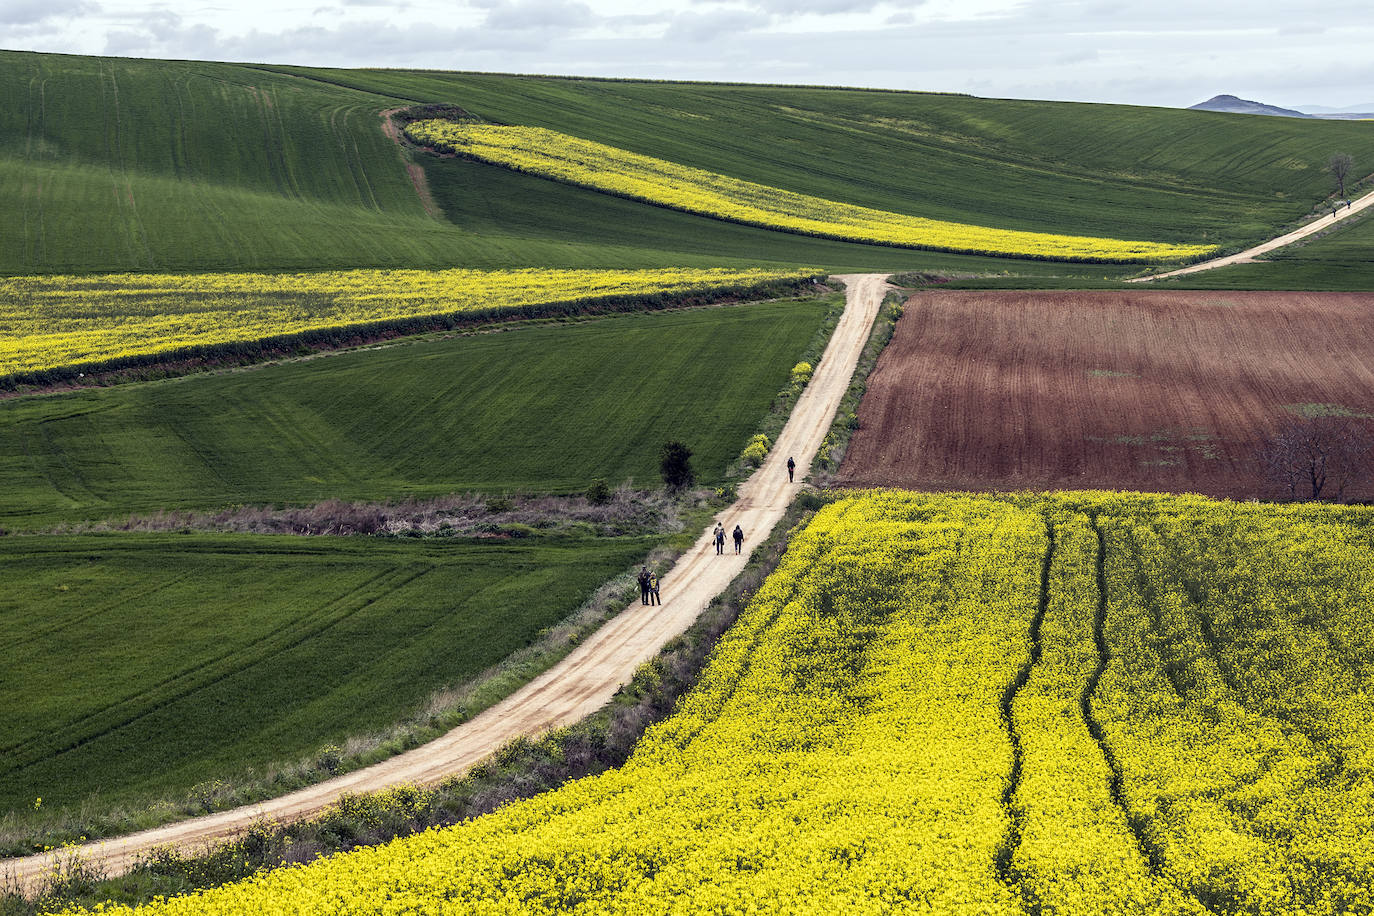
(1234,105)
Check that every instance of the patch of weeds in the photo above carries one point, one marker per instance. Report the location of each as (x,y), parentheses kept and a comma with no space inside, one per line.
(1315,411)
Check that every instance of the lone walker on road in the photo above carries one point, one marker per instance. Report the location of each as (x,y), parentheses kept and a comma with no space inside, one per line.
(643,579)
(739,537)
(720,538)
(791,467)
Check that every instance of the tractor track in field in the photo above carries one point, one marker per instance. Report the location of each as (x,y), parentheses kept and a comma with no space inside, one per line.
(584,680)
(1085,703)
(1015,815)
(1147,847)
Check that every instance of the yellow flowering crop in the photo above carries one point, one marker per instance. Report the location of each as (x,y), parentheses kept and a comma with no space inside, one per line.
(617,171)
(1074,704)
(53,321)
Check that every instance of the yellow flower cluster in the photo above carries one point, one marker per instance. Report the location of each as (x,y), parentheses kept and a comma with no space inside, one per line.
(1074,704)
(617,171)
(53,321)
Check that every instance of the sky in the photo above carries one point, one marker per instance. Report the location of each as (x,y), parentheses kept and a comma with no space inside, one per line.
(1167,52)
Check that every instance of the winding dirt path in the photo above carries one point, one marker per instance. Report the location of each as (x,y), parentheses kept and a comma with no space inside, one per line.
(414,170)
(587,678)
(1251,254)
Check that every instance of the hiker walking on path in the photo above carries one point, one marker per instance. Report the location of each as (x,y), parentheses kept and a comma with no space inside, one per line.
(719,538)
(653,589)
(791,466)
(643,579)
(739,537)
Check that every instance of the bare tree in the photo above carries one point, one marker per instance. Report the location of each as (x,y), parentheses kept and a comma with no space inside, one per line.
(1339,167)
(1317,457)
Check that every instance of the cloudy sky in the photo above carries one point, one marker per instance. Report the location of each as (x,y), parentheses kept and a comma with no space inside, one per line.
(1167,52)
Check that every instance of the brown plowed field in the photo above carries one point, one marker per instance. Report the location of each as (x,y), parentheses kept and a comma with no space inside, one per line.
(1140,390)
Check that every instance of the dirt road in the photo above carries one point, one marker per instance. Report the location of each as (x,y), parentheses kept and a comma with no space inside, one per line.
(590,675)
(1250,254)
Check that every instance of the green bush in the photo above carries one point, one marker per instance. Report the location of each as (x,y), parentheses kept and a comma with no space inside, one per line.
(598,494)
(517,530)
(675,465)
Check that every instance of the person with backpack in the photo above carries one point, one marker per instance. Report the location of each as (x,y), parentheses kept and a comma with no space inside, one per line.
(791,466)
(739,537)
(654,597)
(719,538)
(643,579)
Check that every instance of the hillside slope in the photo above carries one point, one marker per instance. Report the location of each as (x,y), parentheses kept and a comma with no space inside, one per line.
(115,164)
(1114,170)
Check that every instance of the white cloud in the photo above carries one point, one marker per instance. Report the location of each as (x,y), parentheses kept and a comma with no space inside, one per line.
(34,12)
(542,15)
(699,27)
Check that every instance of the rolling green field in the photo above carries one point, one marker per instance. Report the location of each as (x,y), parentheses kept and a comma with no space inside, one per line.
(540,409)
(114,164)
(1113,170)
(1342,260)
(139,665)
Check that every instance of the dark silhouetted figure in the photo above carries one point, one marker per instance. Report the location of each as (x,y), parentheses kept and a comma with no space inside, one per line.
(739,538)
(791,468)
(643,578)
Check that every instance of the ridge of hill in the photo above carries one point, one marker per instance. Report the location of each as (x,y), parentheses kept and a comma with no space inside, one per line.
(122,164)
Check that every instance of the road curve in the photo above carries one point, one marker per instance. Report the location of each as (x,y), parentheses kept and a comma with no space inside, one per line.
(1250,254)
(589,676)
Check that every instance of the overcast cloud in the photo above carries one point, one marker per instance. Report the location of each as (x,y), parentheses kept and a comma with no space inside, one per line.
(1169,52)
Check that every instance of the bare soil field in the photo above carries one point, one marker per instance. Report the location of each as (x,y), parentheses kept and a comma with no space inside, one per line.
(1143,390)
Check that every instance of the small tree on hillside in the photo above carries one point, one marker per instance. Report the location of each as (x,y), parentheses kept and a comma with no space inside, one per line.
(675,464)
(1339,167)
(1317,457)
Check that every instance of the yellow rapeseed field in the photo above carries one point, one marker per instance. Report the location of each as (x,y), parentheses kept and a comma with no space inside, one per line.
(54,321)
(1075,704)
(607,168)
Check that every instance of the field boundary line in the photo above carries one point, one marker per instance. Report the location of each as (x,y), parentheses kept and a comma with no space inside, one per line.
(585,679)
(1250,255)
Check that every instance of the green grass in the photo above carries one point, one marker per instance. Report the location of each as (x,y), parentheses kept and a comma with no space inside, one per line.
(1342,260)
(139,665)
(542,409)
(116,164)
(489,200)
(1114,170)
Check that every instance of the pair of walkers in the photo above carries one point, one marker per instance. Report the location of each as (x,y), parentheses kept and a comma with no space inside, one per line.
(718,538)
(648,587)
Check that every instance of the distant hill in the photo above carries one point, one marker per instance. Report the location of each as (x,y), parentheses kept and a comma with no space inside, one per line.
(1233,105)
